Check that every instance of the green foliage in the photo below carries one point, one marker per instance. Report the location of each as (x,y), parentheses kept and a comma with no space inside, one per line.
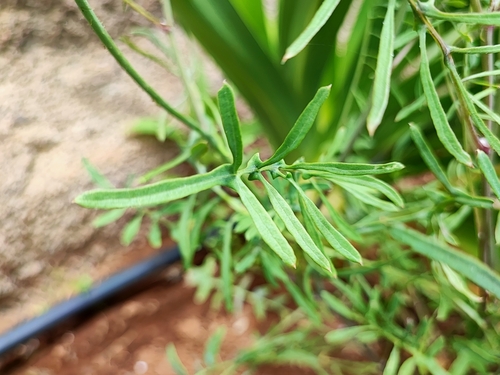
(392,261)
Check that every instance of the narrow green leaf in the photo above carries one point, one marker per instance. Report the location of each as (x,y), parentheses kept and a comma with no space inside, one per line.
(213,345)
(489,172)
(130,230)
(372,183)
(294,226)
(182,232)
(175,361)
(301,127)
(108,217)
(341,336)
(367,196)
(392,365)
(157,193)
(429,158)
(347,169)
(344,227)
(485,18)
(154,236)
(322,15)
(461,262)
(96,176)
(265,224)
(338,306)
(497,230)
(438,115)
(494,116)
(333,237)
(476,50)
(408,367)
(382,81)
(226,265)
(231,124)
(466,101)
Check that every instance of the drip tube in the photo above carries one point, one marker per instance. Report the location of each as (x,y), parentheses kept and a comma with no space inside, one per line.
(97,294)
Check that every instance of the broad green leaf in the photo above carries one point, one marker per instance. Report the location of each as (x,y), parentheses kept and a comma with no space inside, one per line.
(108,217)
(461,262)
(96,176)
(382,81)
(333,237)
(212,347)
(372,183)
(154,236)
(300,128)
(392,365)
(347,169)
(294,226)
(322,15)
(131,229)
(489,172)
(157,193)
(175,361)
(265,224)
(429,158)
(226,265)
(231,124)
(438,115)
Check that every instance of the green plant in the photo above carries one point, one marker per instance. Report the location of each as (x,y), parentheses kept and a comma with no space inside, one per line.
(295,216)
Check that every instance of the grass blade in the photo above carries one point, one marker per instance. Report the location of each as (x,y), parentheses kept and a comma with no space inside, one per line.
(489,172)
(175,361)
(382,82)
(348,169)
(322,15)
(461,262)
(429,158)
(336,240)
(231,124)
(157,193)
(294,226)
(438,115)
(301,127)
(213,345)
(265,225)
(96,176)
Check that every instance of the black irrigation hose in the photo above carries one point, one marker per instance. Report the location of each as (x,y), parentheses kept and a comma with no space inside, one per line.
(108,288)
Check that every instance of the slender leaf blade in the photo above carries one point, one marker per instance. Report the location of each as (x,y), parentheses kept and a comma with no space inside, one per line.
(157,193)
(108,217)
(131,229)
(96,176)
(231,124)
(429,157)
(213,346)
(348,169)
(322,15)
(438,115)
(265,224)
(392,365)
(332,236)
(489,172)
(382,81)
(175,361)
(301,127)
(294,226)
(461,262)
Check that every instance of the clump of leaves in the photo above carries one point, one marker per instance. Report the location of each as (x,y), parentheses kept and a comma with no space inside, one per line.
(383,280)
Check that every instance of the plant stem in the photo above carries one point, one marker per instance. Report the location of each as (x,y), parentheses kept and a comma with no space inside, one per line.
(113,49)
